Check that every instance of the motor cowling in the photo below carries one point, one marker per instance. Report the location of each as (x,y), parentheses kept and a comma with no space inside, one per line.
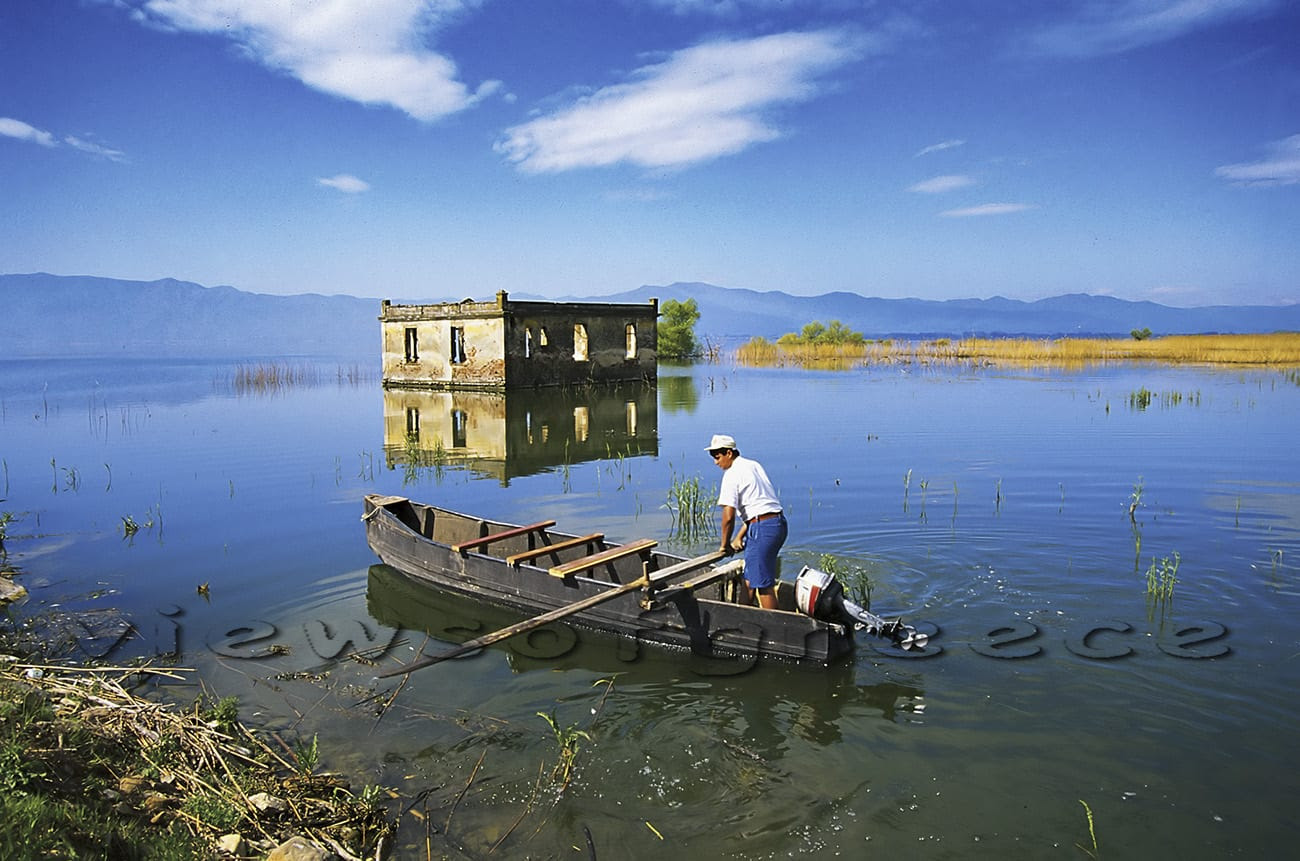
(818,594)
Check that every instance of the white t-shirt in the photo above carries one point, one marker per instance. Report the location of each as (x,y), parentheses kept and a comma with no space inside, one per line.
(746,488)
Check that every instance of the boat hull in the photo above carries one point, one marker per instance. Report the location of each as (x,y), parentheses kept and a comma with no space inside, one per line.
(419,541)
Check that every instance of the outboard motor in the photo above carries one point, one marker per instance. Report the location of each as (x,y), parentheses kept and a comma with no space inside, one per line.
(821,596)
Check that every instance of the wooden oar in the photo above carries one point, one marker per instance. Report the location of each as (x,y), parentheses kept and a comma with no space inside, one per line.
(558,613)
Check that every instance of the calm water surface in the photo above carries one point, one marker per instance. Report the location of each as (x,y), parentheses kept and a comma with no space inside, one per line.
(993,506)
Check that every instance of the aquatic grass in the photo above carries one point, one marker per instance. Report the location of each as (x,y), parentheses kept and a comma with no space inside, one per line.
(1162,576)
(366,472)
(1135,498)
(856,582)
(1268,349)
(1141,399)
(691,508)
(761,352)
(6,517)
(130,526)
(569,739)
(1094,852)
(415,459)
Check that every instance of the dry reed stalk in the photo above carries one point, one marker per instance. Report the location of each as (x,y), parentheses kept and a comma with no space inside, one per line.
(199,757)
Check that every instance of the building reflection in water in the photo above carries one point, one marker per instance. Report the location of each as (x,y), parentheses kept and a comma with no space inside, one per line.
(519,432)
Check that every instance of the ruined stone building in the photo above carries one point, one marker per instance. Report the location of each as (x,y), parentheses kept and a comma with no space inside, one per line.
(507,344)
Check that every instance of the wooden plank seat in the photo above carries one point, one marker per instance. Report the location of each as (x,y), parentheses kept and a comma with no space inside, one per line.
(612,554)
(543,549)
(483,540)
(734,568)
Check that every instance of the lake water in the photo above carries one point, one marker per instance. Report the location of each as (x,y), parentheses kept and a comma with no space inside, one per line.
(991,507)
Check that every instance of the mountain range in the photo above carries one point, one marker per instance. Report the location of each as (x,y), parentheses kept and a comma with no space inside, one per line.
(54,315)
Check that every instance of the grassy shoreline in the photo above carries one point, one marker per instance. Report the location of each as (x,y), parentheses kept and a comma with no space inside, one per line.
(89,769)
(1278,349)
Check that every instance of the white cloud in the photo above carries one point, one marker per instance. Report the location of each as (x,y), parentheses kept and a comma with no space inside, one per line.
(941,184)
(12,128)
(345,182)
(370,52)
(93,148)
(939,147)
(700,103)
(1280,167)
(1115,26)
(987,209)
(728,8)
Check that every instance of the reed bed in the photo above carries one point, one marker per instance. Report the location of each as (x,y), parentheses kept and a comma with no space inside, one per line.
(272,377)
(1278,349)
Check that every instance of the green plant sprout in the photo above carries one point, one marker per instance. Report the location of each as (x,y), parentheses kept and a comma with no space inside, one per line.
(569,739)
(691,508)
(1135,499)
(1162,576)
(1092,834)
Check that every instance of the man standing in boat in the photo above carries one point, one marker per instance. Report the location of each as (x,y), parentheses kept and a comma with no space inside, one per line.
(746,491)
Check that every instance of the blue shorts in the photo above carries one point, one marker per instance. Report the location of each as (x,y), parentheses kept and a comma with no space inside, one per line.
(763,542)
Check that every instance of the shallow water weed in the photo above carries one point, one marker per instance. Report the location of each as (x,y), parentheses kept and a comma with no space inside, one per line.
(569,740)
(1092,833)
(1162,576)
(691,508)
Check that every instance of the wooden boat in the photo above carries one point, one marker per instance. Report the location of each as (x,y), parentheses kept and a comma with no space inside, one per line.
(630,589)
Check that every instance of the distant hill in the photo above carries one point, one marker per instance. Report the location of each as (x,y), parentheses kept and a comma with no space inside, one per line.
(730,313)
(54,315)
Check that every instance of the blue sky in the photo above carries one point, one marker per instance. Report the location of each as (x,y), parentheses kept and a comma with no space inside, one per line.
(1145,149)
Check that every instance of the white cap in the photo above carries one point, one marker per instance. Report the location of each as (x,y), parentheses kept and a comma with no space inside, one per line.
(721,440)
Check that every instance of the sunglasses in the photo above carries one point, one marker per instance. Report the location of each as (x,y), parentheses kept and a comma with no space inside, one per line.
(719,452)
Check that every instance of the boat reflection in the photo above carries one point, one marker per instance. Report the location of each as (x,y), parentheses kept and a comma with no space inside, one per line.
(521,432)
(772,699)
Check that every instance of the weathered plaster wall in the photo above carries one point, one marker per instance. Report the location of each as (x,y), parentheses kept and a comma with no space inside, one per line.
(517,344)
(482,360)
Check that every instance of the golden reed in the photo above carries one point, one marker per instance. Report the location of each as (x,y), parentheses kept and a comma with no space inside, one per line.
(1276,349)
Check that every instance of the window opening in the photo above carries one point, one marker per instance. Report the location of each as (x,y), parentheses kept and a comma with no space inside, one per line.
(457,344)
(458,423)
(528,343)
(412,345)
(542,340)
(629,411)
(581,423)
(413,423)
(579,342)
(630,333)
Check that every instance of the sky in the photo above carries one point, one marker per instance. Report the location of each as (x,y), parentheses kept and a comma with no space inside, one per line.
(417,149)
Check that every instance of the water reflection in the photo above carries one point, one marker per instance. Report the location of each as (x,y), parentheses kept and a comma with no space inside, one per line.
(763,709)
(519,433)
(678,394)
